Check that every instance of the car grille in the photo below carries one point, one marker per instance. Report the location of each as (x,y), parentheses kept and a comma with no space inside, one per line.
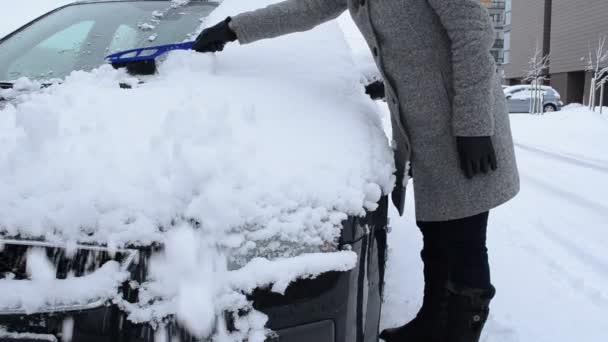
(82,261)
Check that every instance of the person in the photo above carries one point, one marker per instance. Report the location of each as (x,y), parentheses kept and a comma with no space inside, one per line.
(450,124)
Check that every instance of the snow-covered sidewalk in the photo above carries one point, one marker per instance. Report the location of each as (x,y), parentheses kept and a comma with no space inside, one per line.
(547,247)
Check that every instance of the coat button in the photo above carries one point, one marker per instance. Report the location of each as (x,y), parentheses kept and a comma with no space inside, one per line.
(362,2)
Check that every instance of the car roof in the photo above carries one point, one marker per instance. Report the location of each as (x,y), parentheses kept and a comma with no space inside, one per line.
(525,86)
(102,1)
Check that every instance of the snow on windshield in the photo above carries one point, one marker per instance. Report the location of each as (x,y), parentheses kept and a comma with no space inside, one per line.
(264,149)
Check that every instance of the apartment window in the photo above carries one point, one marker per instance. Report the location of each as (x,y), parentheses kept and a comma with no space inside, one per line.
(497,18)
(498,56)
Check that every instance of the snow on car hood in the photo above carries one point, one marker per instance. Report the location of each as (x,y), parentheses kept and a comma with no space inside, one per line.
(265,149)
(269,140)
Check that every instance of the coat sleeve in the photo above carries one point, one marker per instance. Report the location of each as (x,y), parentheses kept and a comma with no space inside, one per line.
(468,26)
(285,17)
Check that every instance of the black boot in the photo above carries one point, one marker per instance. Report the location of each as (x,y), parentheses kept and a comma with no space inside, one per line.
(468,311)
(427,325)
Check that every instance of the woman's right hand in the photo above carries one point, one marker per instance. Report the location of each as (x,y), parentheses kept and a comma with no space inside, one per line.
(214,38)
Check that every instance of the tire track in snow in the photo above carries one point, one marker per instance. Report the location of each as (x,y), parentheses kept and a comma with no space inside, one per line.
(600,266)
(566,275)
(594,293)
(597,166)
(599,209)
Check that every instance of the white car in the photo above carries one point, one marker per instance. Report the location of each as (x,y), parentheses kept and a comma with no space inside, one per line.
(519,98)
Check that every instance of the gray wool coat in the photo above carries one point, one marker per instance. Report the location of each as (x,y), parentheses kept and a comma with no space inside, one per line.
(441,83)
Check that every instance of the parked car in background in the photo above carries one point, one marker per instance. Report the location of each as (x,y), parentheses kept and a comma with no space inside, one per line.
(519,98)
(336,306)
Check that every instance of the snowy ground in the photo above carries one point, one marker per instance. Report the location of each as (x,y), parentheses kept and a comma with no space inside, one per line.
(547,247)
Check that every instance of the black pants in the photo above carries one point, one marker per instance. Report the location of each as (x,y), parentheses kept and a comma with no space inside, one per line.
(462,244)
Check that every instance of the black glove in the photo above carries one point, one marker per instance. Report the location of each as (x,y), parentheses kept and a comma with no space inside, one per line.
(476,155)
(214,38)
(375,90)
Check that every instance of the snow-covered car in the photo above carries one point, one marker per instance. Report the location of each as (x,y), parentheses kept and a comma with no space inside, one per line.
(227,198)
(519,98)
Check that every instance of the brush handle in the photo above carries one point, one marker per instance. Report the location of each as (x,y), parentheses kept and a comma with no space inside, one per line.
(146,54)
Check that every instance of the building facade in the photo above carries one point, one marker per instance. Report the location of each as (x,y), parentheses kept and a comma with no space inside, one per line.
(496,8)
(565,30)
(507,33)
(526,34)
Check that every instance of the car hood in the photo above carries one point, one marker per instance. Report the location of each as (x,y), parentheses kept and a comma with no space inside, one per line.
(259,147)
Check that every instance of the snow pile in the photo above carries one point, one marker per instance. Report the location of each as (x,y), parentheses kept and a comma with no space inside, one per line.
(362,55)
(253,145)
(44,290)
(261,151)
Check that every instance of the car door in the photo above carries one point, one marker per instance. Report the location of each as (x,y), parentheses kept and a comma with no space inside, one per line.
(375,269)
(511,103)
(519,102)
(550,98)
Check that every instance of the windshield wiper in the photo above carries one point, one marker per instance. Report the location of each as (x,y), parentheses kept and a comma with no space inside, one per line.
(11,85)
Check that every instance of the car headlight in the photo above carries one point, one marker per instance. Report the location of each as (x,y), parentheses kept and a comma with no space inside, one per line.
(275,249)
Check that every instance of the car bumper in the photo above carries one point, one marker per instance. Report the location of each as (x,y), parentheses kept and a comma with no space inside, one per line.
(324,331)
(310,310)
(334,307)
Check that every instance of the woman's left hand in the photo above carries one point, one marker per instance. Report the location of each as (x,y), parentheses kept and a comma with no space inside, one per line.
(477,155)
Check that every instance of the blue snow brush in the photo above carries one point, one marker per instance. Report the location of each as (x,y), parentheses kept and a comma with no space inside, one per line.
(142,61)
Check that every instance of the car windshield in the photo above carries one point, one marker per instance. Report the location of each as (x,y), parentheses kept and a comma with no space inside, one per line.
(78,37)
